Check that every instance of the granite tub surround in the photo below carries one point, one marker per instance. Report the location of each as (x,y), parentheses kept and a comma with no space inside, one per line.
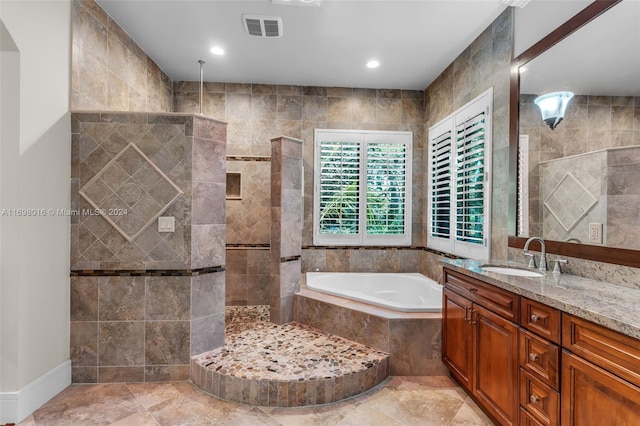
(412,339)
(610,305)
(144,301)
(288,365)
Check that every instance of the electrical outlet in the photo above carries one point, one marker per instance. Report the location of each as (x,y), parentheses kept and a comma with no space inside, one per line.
(595,233)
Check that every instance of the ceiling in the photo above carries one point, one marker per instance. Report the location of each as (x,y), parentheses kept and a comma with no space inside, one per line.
(602,58)
(326,45)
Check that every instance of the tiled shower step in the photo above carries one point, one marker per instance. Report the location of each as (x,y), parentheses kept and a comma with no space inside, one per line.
(288,365)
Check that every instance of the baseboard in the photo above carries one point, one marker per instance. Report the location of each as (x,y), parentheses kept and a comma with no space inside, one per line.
(17,406)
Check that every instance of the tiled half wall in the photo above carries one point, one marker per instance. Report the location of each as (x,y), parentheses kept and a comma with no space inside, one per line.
(143,301)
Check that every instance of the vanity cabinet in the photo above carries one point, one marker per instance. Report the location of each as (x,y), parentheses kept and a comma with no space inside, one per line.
(480,343)
(530,364)
(600,375)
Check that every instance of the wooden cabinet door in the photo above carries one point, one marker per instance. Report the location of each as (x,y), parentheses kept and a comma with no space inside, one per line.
(495,380)
(592,396)
(457,336)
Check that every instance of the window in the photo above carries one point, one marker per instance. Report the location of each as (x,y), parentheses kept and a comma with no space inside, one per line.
(362,182)
(459,187)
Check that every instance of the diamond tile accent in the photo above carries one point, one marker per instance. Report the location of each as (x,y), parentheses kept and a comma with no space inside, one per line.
(118,179)
(570,201)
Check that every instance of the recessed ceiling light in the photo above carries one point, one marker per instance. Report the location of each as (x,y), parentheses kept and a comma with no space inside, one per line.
(217,50)
(373,64)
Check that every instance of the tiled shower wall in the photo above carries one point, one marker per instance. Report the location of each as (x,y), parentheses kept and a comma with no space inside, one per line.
(256,113)
(591,123)
(286,226)
(110,72)
(144,301)
(249,232)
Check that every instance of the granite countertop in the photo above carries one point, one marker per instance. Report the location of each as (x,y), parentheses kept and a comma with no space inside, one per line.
(604,303)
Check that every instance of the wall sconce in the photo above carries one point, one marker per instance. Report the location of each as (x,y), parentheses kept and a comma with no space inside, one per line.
(553,106)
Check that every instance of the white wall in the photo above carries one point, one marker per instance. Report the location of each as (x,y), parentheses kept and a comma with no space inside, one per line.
(35,162)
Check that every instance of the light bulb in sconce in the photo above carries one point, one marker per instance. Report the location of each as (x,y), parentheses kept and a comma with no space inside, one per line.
(553,107)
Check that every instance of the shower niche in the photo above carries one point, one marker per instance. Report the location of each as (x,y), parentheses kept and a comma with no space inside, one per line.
(234,186)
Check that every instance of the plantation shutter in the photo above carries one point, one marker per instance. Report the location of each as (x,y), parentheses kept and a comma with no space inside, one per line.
(388,179)
(362,194)
(339,187)
(459,187)
(439,175)
(470,180)
(441,182)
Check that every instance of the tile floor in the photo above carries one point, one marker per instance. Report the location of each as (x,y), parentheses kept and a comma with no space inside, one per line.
(397,401)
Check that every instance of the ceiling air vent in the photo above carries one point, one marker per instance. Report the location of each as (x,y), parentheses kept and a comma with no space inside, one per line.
(262,25)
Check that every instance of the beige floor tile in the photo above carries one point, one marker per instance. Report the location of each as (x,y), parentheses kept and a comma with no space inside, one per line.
(470,415)
(404,401)
(416,407)
(365,415)
(254,417)
(329,414)
(88,405)
(137,419)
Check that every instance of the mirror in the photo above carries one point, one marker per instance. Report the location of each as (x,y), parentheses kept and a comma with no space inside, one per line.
(579,185)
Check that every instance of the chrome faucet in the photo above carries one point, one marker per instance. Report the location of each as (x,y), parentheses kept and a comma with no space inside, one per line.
(543,254)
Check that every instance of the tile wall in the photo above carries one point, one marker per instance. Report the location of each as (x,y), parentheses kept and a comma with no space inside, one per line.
(109,71)
(249,232)
(573,193)
(592,123)
(256,113)
(286,226)
(144,301)
(484,64)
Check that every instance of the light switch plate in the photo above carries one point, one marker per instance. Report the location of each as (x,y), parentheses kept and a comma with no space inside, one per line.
(166,224)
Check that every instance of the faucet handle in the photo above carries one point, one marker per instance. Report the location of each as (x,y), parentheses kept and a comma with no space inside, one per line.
(556,268)
(532,260)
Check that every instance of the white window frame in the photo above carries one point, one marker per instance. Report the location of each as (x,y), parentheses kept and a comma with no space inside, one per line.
(364,138)
(447,242)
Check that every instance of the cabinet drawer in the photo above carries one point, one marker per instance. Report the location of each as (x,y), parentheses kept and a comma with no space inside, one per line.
(540,319)
(539,399)
(539,357)
(527,419)
(502,302)
(613,351)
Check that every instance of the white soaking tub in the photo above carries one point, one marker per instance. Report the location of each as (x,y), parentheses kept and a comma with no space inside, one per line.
(404,292)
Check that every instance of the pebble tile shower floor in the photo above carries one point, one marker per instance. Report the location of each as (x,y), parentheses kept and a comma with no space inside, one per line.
(286,365)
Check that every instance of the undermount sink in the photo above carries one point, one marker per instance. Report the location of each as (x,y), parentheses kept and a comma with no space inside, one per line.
(509,270)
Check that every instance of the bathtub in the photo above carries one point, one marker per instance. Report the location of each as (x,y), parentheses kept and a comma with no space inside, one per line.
(404,292)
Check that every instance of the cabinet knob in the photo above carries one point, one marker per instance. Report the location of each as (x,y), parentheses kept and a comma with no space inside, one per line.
(535,317)
(472,289)
(533,357)
(534,399)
